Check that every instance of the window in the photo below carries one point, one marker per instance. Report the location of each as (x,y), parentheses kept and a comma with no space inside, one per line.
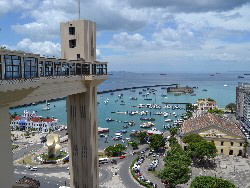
(12,66)
(30,67)
(240,143)
(222,143)
(48,68)
(78,56)
(231,152)
(65,69)
(78,69)
(58,68)
(41,67)
(72,30)
(221,151)
(232,143)
(72,43)
(72,68)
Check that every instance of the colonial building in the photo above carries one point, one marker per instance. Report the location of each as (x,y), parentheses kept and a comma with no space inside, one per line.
(226,135)
(206,104)
(30,121)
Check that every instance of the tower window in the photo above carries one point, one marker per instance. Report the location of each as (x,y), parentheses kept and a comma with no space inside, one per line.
(72,43)
(72,30)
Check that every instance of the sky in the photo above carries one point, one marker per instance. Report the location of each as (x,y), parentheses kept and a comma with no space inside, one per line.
(139,35)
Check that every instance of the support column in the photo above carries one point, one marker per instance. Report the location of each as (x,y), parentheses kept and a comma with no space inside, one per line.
(82,132)
(6,156)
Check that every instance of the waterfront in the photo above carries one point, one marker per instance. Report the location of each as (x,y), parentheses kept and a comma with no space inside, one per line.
(213,84)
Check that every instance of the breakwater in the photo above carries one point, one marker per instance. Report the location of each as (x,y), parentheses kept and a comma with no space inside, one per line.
(138,87)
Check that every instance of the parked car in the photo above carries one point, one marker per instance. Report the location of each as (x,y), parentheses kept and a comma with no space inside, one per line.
(122,157)
(33,168)
(113,161)
(151,168)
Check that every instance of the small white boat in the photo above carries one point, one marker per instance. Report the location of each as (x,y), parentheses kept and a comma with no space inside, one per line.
(225,85)
(168,120)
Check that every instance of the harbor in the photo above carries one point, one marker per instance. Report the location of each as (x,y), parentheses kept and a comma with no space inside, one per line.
(127,109)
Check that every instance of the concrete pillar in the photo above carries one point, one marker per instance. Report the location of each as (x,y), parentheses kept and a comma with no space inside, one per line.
(82,132)
(6,156)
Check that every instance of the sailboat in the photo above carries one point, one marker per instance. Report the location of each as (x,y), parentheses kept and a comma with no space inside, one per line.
(46,108)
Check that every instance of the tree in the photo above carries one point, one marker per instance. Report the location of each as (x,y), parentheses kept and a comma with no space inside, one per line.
(231,107)
(201,150)
(216,111)
(134,145)
(115,150)
(192,138)
(173,131)
(211,182)
(175,172)
(157,141)
(142,137)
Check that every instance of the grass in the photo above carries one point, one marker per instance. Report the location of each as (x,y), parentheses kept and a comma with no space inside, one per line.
(27,160)
(62,155)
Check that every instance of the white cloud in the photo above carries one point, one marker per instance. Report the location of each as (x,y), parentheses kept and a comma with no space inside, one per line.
(16,5)
(47,48)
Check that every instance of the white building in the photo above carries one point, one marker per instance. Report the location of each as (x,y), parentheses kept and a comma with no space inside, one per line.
(30,121)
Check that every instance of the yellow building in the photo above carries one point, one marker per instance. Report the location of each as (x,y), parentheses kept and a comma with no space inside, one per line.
(206,104)
(226,135)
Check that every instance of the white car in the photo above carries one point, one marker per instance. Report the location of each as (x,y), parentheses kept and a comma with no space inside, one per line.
(33,168)
(68,168)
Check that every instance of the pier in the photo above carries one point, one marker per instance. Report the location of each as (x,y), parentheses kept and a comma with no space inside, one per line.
(139,87)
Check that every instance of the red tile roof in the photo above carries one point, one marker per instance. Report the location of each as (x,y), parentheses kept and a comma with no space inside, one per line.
(206,120)
(17,118)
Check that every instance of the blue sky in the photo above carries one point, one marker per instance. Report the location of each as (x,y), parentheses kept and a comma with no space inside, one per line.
(141,35)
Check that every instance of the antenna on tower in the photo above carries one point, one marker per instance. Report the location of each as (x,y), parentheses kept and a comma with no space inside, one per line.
(79,9)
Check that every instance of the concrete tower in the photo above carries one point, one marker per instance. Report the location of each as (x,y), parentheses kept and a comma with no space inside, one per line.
(28,78)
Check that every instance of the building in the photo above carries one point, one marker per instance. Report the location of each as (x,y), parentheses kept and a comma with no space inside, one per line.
(206,104)
(27,78)
(30,121)
(243,103)
(226,135)
(179,89)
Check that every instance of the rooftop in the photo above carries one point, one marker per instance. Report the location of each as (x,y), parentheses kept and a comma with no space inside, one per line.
(207,120)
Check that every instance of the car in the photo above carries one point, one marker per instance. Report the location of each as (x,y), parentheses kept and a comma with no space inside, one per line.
(154,155)
(122,157)
(68,168)
(113,161)
(29,167)
(33,168)
(151,168)
(142,152)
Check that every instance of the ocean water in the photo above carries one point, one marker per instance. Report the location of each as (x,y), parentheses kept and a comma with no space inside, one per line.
(213,84)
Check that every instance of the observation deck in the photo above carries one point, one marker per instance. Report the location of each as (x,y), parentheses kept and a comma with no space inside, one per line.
(26,78)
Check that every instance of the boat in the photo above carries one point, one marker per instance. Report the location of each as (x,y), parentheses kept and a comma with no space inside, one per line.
(240,76)
(133,98)
(123,131)
(225,85)
(111,93)
(211,74)
(109,119)
(102,135)
(131,123)
(204,90)
(147,119)
(163,74)
(177,94)
(164,95)
(123,104)
(247,74)
(147,125)
(125,126)
(47,104)
(148,99)
(103,130)
(168,120)
(193,94)
(166,126)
